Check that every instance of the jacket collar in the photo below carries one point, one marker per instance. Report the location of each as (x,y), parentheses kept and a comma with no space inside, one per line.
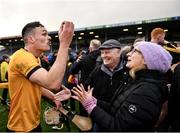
(109,72)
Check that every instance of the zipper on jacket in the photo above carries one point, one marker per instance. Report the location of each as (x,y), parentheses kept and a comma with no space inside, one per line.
(111,81)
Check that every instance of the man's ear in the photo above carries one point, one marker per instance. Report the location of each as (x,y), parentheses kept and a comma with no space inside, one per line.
(30,39)
(90,49)
(159,37)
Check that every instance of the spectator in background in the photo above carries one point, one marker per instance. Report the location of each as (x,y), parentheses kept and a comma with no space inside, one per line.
(136,106)
(4,77)
(174,50)
(158,35)
(28,80)
(128,48)
(81,52)
(85,64)
(138,40)
(44,61)
(72,55)
(52,58)
(70,81)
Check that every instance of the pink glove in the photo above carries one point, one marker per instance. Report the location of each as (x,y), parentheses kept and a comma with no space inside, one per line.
(89,104)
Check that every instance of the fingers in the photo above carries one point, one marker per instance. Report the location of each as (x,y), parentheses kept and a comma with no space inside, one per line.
(58,104)
(80,93)
(66,25)
(76,98)
(61,27)
(81,88)
(77,92)
(65,88)
(66,33)
(91,90)
(62,95)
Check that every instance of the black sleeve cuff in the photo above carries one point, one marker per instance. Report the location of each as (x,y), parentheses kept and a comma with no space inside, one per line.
(70,115)
(32,71)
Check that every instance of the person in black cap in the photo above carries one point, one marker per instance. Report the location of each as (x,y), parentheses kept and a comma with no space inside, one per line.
(109,44)
(108,77)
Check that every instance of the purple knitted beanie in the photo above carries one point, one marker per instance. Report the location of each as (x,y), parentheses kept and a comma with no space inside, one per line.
(155,56)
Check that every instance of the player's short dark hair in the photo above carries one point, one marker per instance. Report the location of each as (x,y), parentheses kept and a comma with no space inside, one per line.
(29,28)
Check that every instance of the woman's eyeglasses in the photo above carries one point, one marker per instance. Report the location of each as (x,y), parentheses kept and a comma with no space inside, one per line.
(135,50)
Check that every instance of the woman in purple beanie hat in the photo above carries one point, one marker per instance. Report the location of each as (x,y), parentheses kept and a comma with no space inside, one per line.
(154,57)
(136,106)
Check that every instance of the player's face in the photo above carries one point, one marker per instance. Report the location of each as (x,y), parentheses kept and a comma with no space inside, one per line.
(42,40)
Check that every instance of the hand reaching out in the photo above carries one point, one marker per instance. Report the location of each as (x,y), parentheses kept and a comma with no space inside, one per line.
(85,97)
(80,93)
(63,95)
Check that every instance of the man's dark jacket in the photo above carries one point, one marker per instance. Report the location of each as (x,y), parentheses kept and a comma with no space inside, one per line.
(106,82)
(85,65)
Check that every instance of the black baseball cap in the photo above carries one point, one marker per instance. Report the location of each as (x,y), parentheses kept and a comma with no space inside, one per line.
(109,44)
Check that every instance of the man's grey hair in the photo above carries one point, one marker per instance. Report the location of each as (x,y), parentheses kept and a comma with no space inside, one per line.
(95,44)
